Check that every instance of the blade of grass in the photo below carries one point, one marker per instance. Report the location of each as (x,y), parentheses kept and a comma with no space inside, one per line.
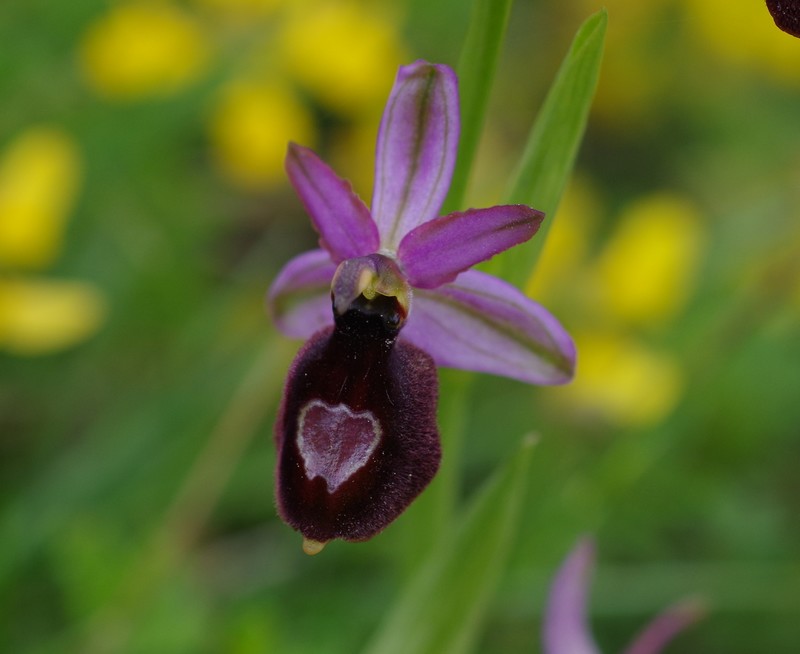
(553,142)
(443,606)
(476,69)
(110,629)
(433,514)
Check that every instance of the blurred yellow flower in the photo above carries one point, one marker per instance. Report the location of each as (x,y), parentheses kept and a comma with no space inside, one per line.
(347,57)
(39,174)
(646,270)
(141,49)
(42,316)
(241,8)
(567,247)
(352,152)
(744,34)
(250,127)
(343,53)
(642,276)
(622,381)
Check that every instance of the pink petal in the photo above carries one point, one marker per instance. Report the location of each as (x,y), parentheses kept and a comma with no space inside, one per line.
(482,323)
(342,220)
(416,151)
(435,252)
(566,628)
(300,297)
(657,635)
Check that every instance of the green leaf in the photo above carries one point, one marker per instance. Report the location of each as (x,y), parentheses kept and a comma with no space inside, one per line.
(475,74)
(442,608)
(553,142)
(435,512)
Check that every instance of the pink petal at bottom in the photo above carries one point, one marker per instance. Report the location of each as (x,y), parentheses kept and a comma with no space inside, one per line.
(566,626)
(661,631)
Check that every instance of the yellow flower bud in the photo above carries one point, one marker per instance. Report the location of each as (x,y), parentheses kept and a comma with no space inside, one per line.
(44,316)
(250,127)
(142,49)
(622,381)
(39,176)
(342,54)
(647,269)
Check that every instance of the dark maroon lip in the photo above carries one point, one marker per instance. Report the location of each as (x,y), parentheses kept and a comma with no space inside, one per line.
(356,434)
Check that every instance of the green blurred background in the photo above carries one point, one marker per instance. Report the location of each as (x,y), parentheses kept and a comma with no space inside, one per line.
(144,212)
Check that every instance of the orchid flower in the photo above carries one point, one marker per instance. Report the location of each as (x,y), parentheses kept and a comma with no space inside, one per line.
(566,629)
(387,297)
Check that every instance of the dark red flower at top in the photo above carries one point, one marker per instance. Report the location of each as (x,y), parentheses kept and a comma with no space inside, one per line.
(786,14)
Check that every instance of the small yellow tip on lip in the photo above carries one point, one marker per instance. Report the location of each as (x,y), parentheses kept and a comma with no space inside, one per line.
(312,547)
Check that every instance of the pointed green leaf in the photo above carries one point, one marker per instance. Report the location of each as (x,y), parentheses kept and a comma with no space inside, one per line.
(476,69)
(442,608)
(435,512)
(553,142)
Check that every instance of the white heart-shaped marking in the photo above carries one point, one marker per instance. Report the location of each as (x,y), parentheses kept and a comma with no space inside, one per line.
(335,441)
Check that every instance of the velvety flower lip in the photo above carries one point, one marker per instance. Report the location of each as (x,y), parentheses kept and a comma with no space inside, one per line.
(566,626)
(356,434)
(462,318)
